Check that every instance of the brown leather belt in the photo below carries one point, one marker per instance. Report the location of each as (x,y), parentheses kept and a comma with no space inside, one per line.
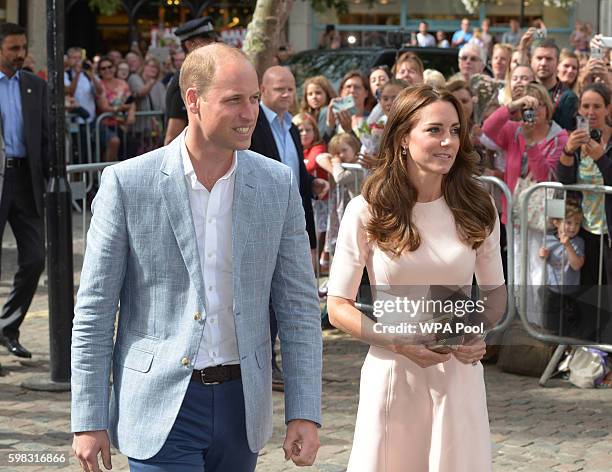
(217,374)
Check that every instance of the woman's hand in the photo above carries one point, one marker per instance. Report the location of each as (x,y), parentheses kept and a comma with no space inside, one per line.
(544,252)
(576,139)
(330,120)
(593,149)
(526,101)
(346,120)
(420,355)
(471,353)
(367,160)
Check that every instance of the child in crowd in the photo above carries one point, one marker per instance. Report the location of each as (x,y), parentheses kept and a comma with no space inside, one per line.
(318,92)
(564,254)
(313,146)
(343,149)
(370,140)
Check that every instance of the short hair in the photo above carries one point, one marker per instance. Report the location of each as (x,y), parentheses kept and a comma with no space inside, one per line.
(344,138)
(572,208)
(302,118)
(477,49)
(458,84)
(393,83)
(74,49)
(505,47)
(408,56)
(199,68)
(546,43)
(11,29)
(156,63)
(538,91)
(434,77)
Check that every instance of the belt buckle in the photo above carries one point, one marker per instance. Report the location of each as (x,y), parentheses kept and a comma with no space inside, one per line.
(203,379)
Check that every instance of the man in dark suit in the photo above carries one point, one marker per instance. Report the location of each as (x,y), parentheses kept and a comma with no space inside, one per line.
(276,137)
(24,166)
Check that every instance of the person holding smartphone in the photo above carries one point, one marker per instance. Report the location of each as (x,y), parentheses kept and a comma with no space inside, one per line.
(587,159)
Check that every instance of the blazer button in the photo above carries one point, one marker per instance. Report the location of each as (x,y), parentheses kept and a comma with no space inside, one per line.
(197,316)
(185,361)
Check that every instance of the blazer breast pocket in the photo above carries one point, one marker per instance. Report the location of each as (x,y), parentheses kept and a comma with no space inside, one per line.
(133,359)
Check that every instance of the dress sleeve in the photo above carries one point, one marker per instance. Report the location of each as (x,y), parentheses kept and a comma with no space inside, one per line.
(489,270)
(352,251)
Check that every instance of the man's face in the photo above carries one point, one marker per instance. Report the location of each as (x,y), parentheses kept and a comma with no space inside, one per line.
(422,28)
(470,62)
(227,113)
(177,59)
(13,52)
(74,58)
(544,63)
(278,91)
(514,26)
(465,24)
(134,62)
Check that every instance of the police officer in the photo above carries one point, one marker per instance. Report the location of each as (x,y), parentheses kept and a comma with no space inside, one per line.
(193,34)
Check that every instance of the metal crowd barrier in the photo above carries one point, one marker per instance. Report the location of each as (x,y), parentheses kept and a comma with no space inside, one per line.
(562,341)
(136,139)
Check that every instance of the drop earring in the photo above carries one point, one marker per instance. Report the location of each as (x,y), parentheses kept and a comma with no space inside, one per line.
(404,151)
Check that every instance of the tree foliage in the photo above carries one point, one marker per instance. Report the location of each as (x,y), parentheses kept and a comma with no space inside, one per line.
(105,7)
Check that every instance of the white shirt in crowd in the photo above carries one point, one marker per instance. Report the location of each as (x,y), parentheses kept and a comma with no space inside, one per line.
(84,94)
(212,218)
(426,40)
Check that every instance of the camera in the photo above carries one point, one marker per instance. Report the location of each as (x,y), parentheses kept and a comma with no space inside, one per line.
(596,135)
(529,115)
(86,65)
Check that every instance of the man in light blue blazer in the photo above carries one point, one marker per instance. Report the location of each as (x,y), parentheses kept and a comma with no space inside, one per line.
(191,241)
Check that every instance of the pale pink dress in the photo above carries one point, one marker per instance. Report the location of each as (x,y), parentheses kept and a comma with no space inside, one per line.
(411,418)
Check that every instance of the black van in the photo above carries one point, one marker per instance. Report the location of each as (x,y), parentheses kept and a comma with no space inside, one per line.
(334,63)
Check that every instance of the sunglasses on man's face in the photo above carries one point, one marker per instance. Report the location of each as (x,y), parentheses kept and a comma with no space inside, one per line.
(469,58)
(106,68)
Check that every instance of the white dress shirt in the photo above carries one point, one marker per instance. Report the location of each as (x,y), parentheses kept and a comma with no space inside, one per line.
(212,218)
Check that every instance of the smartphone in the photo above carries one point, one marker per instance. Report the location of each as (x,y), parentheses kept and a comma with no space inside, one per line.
(345,104)
(606,41)
(582,123)
(540,34)
(129,100)
(596,53)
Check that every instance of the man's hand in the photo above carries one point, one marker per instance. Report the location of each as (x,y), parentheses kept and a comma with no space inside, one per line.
(87,445)
(301,442)
(320,187)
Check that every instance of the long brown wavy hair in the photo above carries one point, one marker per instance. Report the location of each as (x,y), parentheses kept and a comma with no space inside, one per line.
(391,195)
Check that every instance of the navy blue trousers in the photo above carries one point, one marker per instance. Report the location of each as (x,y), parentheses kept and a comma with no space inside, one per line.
(209,434)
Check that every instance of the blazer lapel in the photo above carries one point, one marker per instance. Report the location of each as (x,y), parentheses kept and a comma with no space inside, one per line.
(244,207)
(25,90)
(176,201)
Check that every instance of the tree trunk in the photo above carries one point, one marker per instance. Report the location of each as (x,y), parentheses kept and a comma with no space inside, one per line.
(263,32)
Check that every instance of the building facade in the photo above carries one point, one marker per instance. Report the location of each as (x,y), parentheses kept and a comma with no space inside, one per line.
(369,25)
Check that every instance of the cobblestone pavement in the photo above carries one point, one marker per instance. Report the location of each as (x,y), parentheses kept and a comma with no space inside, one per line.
(560,428)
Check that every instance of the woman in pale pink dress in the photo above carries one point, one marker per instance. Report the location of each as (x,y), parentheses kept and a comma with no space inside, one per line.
(422,220)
